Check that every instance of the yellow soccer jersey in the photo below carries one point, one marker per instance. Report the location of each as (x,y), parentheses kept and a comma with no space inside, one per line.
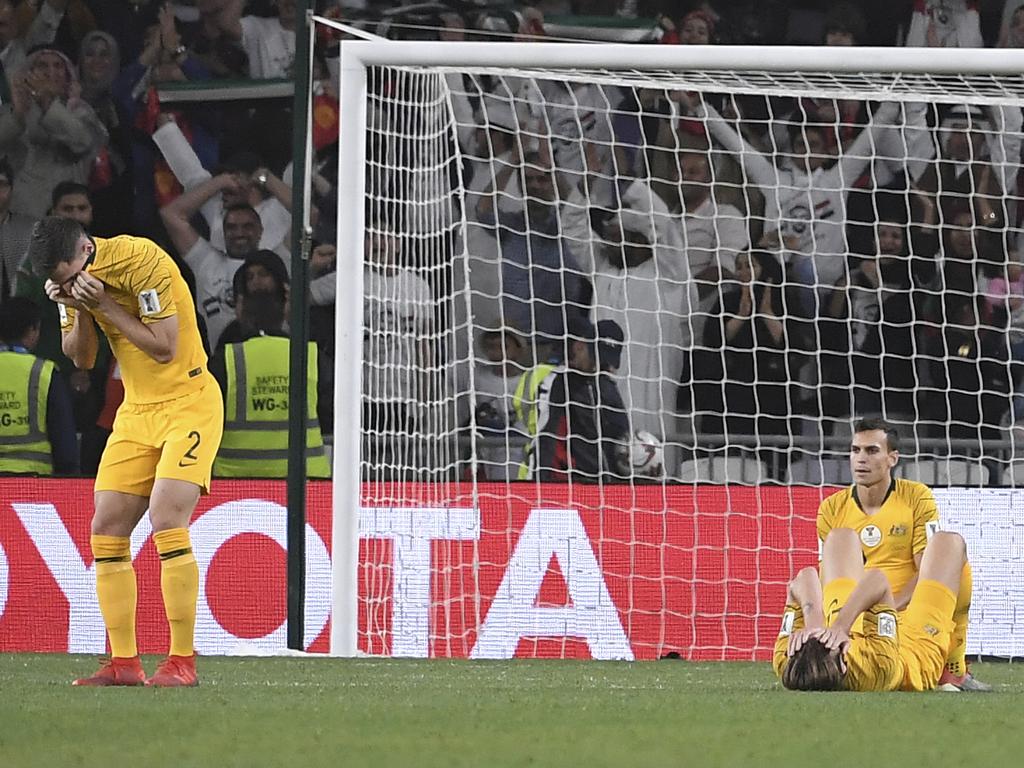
(873,661)
(146,282)
(892,536)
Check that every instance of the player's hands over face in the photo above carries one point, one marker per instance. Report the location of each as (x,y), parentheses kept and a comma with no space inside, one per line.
(89,291)
(55,292)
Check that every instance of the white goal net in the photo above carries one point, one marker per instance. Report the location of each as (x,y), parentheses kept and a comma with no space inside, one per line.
(618,312)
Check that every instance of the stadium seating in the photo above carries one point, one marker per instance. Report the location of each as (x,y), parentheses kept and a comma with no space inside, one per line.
(815,471)
(737,470)
(944,471)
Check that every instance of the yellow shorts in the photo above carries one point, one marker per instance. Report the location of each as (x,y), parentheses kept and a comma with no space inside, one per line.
(176,440)
(927,627)
(834,596)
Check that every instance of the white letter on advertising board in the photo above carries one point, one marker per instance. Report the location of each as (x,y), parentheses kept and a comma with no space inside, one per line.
(514,613)
(4,580)
(86,633)
(412,531)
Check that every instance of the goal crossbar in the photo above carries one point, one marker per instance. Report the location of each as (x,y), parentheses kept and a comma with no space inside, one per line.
(690,67)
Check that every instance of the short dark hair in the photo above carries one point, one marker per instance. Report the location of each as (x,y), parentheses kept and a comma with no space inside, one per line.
(241,162)
(848,18)
(65,188)
(242,207)
(813,668)
(52,242)
(871,423)
(271,262)
(18,316)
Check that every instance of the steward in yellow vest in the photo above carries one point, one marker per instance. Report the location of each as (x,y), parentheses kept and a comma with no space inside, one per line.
(253,372)
(533,386)
(37,427)
(255,442)
(573,413)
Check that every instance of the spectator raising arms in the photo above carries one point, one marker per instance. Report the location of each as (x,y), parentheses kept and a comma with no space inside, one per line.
(41,31)
(805,197)
(214,268)
(163,59)
(256,186)
(641,280)
(50,133)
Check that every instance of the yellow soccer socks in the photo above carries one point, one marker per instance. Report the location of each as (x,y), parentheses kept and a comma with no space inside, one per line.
(117,592)
(179,582)
(956,661)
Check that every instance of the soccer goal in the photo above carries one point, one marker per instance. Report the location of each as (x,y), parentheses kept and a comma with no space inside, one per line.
(607,312)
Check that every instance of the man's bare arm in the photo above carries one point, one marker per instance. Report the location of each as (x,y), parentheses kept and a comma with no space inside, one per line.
(873,588)
(805,591)
(176,214)
(902,600)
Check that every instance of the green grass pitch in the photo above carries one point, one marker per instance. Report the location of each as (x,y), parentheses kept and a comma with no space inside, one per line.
(300,712)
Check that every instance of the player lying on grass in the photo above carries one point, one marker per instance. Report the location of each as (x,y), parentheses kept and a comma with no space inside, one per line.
(894,519)
(846,635)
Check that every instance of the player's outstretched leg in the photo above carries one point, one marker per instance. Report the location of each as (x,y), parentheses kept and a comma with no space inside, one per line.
(174,500)
(943,571)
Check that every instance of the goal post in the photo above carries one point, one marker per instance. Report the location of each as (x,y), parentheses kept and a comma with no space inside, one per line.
(436,545)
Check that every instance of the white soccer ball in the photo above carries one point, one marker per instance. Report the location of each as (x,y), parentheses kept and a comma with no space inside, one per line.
(646,455)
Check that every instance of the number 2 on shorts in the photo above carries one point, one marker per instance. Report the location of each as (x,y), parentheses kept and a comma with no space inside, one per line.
(190,454)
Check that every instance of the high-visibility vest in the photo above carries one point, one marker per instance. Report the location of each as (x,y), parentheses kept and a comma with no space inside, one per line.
(524,405)
(255,442)
(24,387)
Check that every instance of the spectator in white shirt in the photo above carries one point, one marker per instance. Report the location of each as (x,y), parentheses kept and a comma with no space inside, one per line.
(641,280)
(806,194)
(713,232)
(398,309)
(255,186)
(268,42)
(41,31)
(214,268)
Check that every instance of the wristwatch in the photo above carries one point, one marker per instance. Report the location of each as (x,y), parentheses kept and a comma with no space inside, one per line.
(261,177)
(180,51)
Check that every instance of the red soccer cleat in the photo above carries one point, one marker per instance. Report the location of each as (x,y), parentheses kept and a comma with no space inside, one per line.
(116,671)
(175,672)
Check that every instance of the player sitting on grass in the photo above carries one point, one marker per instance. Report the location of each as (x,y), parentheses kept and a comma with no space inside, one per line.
(846,636)
(894,519)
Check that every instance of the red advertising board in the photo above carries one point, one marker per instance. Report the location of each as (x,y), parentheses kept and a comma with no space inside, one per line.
(510,570)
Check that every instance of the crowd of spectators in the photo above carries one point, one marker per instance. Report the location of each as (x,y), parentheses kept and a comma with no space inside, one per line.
(777,265)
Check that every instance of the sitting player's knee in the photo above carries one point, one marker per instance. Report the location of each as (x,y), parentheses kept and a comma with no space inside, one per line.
(809,572)
(878,580)
(951,543)
(843,538)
